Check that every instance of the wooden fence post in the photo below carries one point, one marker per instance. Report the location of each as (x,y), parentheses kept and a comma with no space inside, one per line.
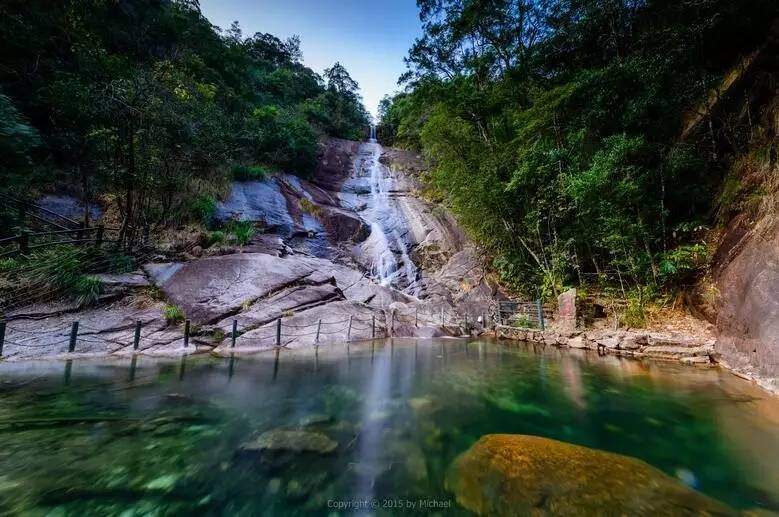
(186,333)
(349,330)
(137,337)
(99,236)
(318,330)
(234,334)
(540,308)
(73,336)
(392,323)
(2,336)
(278,332)
(416,317)
(373,326)
(24,243)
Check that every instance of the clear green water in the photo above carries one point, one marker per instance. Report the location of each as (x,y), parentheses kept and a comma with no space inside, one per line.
(164,437)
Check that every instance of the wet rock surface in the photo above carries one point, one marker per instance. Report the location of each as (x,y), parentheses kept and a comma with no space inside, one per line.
(291,441)
(354,243)
(638,344)
(528,475)
(46,330)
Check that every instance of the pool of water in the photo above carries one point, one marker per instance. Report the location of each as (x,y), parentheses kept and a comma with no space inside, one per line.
(384,420)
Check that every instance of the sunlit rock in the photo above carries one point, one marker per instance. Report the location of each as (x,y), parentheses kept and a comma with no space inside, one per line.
(506,474)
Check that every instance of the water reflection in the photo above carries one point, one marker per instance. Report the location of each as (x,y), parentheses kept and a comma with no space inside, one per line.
(399,411)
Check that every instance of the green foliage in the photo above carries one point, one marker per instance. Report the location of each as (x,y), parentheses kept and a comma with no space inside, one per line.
(173,314)
(204,209)
(523,321)
(215,237)
(17,141)
(59,271)
(8,264)
(683,262)
(242,231)
(553,129)
(71,263)
(87,290)
(635,313)
(250,173)
(117,262)
(149,103)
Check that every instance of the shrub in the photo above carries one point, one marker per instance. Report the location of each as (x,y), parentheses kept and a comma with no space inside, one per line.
(524,321)
(250,173)
(120,263)
(634,316)
(8,264)
(56,269)
(242,231)
(215,237)
(173,314)
(87,290)
(62,271)
(683,262)
(204,209)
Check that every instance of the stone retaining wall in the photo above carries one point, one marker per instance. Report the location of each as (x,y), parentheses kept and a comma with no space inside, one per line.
(620,342)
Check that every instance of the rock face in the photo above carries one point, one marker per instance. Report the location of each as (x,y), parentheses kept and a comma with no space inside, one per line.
(529,475)
(360,204)
(652,345)
(747,272)
(46,330)
(352,253)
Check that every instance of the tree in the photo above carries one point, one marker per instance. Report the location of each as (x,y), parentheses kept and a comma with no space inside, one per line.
(552,126)
(151,104)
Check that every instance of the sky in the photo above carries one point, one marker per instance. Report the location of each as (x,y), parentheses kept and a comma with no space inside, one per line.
(369,37)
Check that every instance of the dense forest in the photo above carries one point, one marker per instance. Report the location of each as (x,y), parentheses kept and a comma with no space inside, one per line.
(149,108)
(553,127)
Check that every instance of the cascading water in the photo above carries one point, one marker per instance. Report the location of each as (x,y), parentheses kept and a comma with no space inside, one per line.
(385,229)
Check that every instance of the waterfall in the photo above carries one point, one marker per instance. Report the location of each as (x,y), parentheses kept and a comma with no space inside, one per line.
(386,249)
(372,133)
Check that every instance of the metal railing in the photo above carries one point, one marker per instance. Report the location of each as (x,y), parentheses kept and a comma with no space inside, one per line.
(527,314)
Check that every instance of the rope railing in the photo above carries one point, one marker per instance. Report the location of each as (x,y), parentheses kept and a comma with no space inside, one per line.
(278,333)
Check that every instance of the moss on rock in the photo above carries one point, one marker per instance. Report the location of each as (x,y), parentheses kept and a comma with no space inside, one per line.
(505,474)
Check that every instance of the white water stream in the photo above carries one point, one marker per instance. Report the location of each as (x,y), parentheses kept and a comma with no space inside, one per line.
(385,251)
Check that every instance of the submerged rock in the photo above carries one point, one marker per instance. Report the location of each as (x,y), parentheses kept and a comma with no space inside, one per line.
(506,474)
(420,405)
(291,441)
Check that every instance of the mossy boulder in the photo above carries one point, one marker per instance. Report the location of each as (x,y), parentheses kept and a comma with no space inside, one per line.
(505,474)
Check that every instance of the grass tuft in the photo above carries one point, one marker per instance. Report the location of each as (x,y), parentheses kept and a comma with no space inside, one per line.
(173,314)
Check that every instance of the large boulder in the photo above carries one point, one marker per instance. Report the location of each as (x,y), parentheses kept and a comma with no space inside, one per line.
(505,474)
(257,201)
(335,163)
(210,288)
